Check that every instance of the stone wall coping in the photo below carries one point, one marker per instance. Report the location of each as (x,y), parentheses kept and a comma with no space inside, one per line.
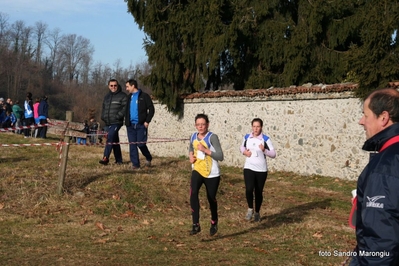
(292,90)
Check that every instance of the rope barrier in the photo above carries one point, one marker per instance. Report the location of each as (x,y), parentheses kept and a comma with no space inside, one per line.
(24,127)
(7,129)
(60,144)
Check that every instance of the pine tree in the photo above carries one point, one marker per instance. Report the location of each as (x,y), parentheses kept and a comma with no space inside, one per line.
(374,58)
(199,45)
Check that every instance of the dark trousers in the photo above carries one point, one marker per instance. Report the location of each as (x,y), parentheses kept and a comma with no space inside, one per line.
(137,136)
(113,137)
(212,185)
(28,122)
(42,130)
(254,181)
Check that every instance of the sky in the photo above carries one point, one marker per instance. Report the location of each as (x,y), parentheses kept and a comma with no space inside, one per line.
(111,30)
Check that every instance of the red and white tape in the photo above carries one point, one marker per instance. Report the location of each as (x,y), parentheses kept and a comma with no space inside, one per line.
(25,127)
(29,144)
(58,144)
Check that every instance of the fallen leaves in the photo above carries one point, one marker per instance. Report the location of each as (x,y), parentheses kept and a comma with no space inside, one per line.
(318,235)
(84,221)
(102,241)
(128,214)
(116,197)
(100,226)
(261,250)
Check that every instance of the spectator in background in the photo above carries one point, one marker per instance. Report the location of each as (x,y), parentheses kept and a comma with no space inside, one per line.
(1,105)
(9,119)
(28,114)
(36,115)
(93,130)
(81,140)
(113,112)
(43,116)
(8,104)
(2,115)
(19,113)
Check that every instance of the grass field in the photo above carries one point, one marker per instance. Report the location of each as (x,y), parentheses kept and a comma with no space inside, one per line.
(111,215)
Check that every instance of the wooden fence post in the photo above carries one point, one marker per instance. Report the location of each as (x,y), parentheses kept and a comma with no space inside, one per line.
(64,154)
(64,160)
(69,116)
(67,130)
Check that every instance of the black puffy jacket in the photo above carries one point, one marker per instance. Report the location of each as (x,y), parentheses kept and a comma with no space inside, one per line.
(114,107)
(377,216)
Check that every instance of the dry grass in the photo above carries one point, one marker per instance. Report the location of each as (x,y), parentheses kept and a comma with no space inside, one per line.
(110,215)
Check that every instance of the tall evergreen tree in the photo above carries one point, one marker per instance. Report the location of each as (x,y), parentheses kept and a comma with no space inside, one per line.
(194,45)
(374,58)
(184,43)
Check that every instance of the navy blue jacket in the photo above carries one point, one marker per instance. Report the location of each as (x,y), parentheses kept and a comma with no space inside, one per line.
(146,108)
(43,108)
(377,216)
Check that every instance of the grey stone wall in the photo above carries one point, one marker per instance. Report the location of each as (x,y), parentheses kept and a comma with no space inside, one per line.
(313,133)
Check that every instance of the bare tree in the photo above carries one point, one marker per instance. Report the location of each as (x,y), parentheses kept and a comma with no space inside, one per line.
(18,77)
(4,52)
(4,30)
(53,41)
(85,70)
(100,74)
(40,32)
(74,52)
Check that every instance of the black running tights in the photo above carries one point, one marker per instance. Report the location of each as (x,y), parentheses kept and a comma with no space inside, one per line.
(254,181)
(212,185)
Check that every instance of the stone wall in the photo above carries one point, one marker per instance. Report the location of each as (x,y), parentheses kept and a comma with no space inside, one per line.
(313,131)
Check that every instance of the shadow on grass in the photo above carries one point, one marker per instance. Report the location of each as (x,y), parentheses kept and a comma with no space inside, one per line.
(172,162)
(82,182)
(13,159)
(233,179)
(294,214)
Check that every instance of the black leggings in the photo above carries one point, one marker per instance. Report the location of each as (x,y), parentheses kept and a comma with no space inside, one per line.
(254,181)
(212,185)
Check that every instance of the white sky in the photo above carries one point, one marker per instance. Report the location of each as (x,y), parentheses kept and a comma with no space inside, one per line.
(111,30)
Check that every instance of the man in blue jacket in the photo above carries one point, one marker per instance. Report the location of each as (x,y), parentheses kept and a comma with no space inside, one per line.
(139,112)
(377,215)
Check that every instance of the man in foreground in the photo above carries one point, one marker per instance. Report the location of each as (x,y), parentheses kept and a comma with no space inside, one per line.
(377,215)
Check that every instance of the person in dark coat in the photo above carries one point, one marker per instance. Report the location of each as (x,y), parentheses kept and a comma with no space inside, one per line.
(377,214)
(139,113)
(113,113)
(43,116)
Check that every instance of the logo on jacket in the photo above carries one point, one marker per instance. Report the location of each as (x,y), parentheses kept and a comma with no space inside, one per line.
(372,202)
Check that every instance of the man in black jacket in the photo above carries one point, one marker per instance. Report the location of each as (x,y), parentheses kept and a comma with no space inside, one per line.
(113,112)
(377,215)
(139,112)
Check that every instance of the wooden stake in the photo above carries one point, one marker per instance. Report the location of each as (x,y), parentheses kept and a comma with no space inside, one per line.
(64,160)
